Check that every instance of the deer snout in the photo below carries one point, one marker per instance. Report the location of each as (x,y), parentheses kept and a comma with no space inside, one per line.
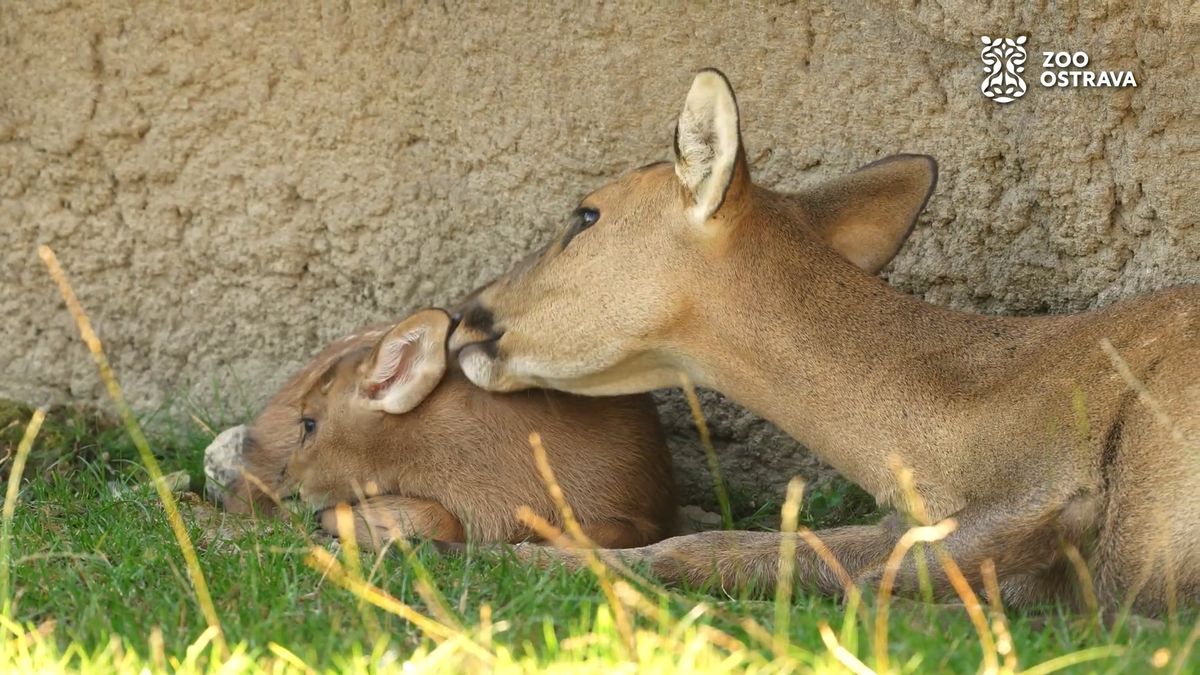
(474,324)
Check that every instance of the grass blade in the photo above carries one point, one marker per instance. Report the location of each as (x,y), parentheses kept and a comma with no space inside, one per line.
(787,564)
(199,584)
(1074,658)
(710,453)
(10,505)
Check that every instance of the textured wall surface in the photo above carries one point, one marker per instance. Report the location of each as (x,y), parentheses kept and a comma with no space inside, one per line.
(232,185)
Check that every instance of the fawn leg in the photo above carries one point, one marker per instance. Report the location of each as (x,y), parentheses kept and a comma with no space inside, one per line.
(621,533)
(380,519)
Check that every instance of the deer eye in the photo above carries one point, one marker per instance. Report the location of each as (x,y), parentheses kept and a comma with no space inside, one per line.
(310,425)
(588,218)
(581,219)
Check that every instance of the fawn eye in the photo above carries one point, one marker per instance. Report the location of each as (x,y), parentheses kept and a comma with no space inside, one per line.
(310,425)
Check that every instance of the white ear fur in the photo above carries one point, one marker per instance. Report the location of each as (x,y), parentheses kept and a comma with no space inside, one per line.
(406,366)
(707,141)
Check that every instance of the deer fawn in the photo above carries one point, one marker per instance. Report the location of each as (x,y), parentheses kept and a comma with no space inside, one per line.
(377,420)
(1031,433)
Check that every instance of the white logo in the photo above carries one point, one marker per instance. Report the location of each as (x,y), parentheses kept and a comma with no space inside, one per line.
(1066,69)
(1003,61)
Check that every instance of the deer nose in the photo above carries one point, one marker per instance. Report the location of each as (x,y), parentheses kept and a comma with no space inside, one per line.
(473,323)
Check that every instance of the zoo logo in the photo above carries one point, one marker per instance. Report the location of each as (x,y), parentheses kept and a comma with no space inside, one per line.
(1003,61)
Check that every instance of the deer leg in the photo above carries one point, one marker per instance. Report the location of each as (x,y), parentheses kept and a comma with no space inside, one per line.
(378,520)
(749,561)
(1024,545)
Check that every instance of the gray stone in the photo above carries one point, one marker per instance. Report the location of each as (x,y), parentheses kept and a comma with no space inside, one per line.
(223,462)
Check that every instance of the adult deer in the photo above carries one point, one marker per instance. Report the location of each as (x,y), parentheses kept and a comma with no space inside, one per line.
(1031,432)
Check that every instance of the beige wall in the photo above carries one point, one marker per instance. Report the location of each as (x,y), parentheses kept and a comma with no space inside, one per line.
(231,185)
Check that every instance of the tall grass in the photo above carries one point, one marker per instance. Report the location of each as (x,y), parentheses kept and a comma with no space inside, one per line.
(199,583)
(10,507)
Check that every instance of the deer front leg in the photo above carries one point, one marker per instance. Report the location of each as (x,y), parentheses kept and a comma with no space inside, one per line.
(745,561)
(750,561)
(378,520)
(1022,543)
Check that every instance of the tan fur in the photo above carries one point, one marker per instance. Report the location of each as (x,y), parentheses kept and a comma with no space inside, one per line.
(459,464)
(1021,429)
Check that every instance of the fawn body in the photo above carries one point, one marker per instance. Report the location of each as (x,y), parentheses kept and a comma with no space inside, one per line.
(378,421)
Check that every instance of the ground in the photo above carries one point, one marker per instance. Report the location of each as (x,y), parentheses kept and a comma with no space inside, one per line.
(99,583)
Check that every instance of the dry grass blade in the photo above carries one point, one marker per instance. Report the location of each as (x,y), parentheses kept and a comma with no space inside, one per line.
(324,562)
(289,657)
(914,503)
(636,598)
(566,543)
(790,517)
(423,582)
(1181,658)
(916,506)
(597,566)
(199,584)
(1143,393)
(10,505)
(918,512)
(200,423)
(1086,584)
(1004,642)
(1073,659)
(843,655)
(829,559)
(349,541)
(923,533)
(710,453)
(971,603)
(544,528)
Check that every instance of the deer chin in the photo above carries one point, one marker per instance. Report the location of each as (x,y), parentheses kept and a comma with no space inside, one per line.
(486,371)
(504,373)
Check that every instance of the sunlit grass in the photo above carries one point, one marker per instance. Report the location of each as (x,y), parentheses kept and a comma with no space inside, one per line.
(109,566)
(99,584)
(102,581)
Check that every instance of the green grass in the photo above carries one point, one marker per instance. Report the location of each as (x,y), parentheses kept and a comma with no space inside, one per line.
(98,574)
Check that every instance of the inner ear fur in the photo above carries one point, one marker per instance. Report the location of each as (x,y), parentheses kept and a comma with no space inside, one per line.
(867,215)
(709,160)
(407,363)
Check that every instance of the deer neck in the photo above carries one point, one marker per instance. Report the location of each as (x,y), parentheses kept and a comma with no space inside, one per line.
(858,372)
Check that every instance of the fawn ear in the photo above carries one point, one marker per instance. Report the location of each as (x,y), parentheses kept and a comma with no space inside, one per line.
(867,215)
(406,364)
(709,160)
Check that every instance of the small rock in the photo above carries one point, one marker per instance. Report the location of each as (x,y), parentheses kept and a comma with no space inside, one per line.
(695,519)
(177,482)
(223,461)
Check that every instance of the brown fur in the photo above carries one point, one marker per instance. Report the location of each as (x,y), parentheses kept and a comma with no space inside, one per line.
(1019,428)
(460,463)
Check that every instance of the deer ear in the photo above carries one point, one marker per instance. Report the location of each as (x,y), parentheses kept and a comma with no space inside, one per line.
(867,215)
(406,364)
(709,160)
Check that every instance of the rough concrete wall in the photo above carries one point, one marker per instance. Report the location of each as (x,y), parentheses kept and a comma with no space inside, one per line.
(230,185)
